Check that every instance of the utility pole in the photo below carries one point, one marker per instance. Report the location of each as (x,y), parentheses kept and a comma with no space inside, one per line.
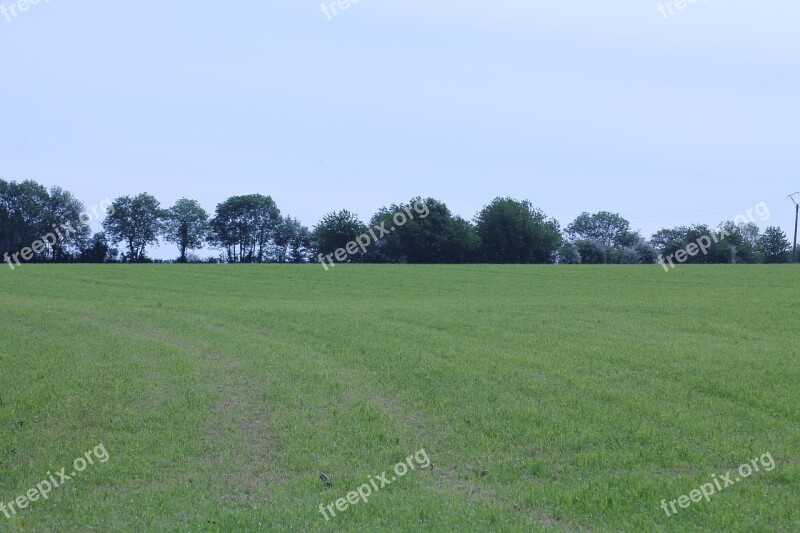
(796,217)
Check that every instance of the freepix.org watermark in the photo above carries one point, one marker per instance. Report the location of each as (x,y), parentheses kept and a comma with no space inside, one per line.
(709,489)
(667,8)
(364,491)
(43,489)
(703,244)
(332,9)
(14,10)
(59,234)
(363,242)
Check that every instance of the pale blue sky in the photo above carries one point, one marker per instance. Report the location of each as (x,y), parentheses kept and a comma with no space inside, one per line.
(575,105)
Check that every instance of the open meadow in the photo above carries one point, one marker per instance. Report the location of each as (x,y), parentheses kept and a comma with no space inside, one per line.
(520,398)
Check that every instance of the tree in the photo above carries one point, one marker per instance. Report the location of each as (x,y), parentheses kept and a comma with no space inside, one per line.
(592,252)
(606,237)
(98,250)
(596,253)
(463,244)
(335,231)
(728,243)
(5,218)
(623,256)
(244,226)
(568,254)
(186,224)
(52,223)
(65,213)
(301,247)
(429,234)
(23,215)
(673,239)
(774,246)
(716,250)
(745,238)
(513,231)
(645,252)
(608,229)
(292,241)
(135,221)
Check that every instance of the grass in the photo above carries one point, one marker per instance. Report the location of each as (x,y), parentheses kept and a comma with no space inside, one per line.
(547,398)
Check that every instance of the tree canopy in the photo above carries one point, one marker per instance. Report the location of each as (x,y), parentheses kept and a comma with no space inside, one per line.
(135,221)
(335,230)
(186,224)
(430,234)
(37,224)
(513,231)
(244,226)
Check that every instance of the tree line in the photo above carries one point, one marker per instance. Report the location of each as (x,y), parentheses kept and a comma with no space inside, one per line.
(251,229)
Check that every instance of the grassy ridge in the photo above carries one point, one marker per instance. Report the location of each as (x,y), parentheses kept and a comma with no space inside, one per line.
(546,397)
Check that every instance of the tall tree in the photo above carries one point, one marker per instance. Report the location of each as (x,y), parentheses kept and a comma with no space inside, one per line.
(429,234)
(23,215)
(743,241)
(186,224)
(513,231)
(244,226)
(301,246)
(609,229)
(335,231)
(673,237)
(65,213)
(462,243)
(292,241)
(727,243)
(774,246)
(136,222)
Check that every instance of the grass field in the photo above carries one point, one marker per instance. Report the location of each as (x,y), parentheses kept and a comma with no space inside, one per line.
(546,398)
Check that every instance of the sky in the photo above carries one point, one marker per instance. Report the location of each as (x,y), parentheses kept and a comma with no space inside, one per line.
(666,115)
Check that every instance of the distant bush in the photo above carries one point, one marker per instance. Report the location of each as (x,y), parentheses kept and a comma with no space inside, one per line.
(568,254)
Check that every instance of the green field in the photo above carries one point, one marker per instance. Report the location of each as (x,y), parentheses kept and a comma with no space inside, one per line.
(545,397)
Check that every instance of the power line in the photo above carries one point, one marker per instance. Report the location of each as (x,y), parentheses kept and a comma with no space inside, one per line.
(692,211)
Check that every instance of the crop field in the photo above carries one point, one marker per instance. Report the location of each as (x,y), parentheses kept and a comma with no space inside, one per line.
(395,397)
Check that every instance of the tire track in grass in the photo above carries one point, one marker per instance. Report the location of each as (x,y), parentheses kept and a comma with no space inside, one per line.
(234,443)
(356,384)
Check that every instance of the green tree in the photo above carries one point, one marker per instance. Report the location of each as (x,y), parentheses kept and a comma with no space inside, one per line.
(774,246)
(717,250)
(513,231)
(592,252)
(186,224)
(23,215)
(335,231)
(301,246)
(646,253)
(462,245)
(669,239)
(725,244)
(745,238)
(568,254)
(98,250)
(65,213)
(244,226)
(606,237)
(429,234)
(608,229)
(135,221)
(292,241)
